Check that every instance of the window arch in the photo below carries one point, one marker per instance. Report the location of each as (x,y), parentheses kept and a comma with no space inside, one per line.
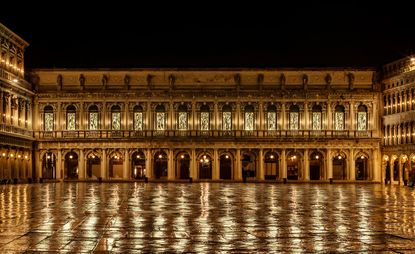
(116,118)
(93,117)
(362,118)
(271,117)
(339,117)
(138,118)
(294,117)
(204,118)
(71,118)
(182,120)
(48,118)
(160,118)
(249,118)
(227,118)
(316,117)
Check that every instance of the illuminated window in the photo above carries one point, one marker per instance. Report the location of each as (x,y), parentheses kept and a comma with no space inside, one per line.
(182,119)
(71,118)
(48,118)
(138,118)
(294,117)
(93,115)
(204,118)
(271,118)
(226,118)
(160,118)
(249,118)
(362,118)
(316,117)
(339,118)
(116,117)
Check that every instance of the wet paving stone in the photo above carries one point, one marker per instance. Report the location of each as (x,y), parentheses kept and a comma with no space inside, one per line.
(206,217)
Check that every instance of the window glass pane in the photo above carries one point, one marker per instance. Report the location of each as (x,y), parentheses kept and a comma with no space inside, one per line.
(160,118)
(70,121)
(93,120)
(339,121)
(294,125)
(182,120)
(48,121)
(249,121)
(116,120)
(316,120)
(272,121)
(204,121)
(361,121)
(227,121)
(138,121)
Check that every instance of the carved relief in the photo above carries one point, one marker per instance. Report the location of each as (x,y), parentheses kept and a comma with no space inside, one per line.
(282,80)
(350,78)
(59,82)
(172,80)
(150,81)
(82,81)
(104,81)
(127,80)
(305,81)
(328,80)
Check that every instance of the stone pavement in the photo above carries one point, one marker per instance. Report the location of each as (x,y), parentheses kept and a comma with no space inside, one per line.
(206,217)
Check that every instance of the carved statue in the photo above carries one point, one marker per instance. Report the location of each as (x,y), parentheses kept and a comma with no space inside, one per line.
(149,81)
(172,80)
(328,80)
(82,81)
(59,82)
(260,80)
(350,77)
(305,81)
(104,81)
(282,80)
(237,78)
(127,80)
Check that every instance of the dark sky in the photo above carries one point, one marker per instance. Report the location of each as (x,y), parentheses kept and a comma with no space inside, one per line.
(208,34)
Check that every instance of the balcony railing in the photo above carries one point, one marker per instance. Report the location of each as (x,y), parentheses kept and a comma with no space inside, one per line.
(15,130)
(163,134)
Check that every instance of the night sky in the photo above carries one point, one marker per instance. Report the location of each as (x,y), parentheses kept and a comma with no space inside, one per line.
(204,34)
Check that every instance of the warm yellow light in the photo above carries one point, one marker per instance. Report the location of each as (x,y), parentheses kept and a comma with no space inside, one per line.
(201,160)
(19,156)
(160,156)
(362,157)
(138,156)
(204,156)
(207,160)
(182,156)
(70,156)
(4,154)
(11,155)
(25,157)
(317,157)
(93,156)
(227,157)
(340,157)
(294,157)
(271,156)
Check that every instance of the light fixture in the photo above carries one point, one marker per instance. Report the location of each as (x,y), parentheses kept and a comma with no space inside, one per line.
(294,157)
(15,80)
(93,156)
(4,154)
(11,155)
(271,156)
(340,157)
(48,157)
(70,156)
(362,157)
(19,156)
(182,156)
(138,156)
(317,157)
(25,157)
(226,156)
(201,160)
(160,156)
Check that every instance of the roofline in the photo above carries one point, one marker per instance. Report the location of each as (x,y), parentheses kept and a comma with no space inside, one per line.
(12,36)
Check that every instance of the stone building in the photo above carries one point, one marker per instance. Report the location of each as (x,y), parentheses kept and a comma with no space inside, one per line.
(303,124)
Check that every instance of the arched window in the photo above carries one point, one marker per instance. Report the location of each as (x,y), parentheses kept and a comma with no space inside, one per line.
(294,117)
(160,118)
(204,118)
(362,118)
(249,118)
(182,118)
(48,118)
(138,118)
(227,118)
(93,115)
(316,117)
(116,118)
(339,118)
(271,118)
(71,118)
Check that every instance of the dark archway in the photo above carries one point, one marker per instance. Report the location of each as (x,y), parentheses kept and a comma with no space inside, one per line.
(49,166)
(248,165)
(183,166)
(205,167)
(160,164)
(316,165)
(93,166)
(138,165)
(225,167)
(339,168)
(71,165)
(271,166)
(361,167)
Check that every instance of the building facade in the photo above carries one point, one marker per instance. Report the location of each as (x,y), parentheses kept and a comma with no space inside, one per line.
(302,124)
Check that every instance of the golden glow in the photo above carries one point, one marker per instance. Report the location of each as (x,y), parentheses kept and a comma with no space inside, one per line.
(25,156)
(70,156)
(93,156)
(340,157)
(182,156)
(271,156)
(160,156)
(4,154)
(226,156)
(317,157)
(362,157)
(11,155)
(19,156)
(48,157)
(138,156)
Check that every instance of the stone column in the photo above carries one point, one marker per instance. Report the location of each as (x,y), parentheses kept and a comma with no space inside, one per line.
(170,166)
(260,175)
(306,165)
(352,125)
(283,169)
(59,166)
(22,118)
(376,170)
(261,125)
(284,115)
(329,162)
(81,116)
(305,117)
(170,126)
(237,169)
(148,121)
(38,164)
(238,121)
(193,165)
(352,169)
(149,169)
(104,164)
(125,166)
(329,117)
(216,116)
(216,166)
(193,117)
(400,171)
(391,170)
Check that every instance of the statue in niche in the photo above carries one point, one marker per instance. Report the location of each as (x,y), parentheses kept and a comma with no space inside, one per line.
(172,80)
(127,80)
(237,79)
(305,81)
(350,77)
(104,81)
(59,82)
(282,81)
(328,80)
(149,81)
(260,80)
(82,81)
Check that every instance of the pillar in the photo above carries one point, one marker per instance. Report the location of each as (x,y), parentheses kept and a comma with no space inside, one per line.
(283,168)
(81,165)
(104,164)
(149,169)
(260,174)
(216,117)
(238,117)
(305,117)
(59,168)
(170,165)
(261,124)
(329,117)
(306,165)
(352,169)
(193,165)
(352,125)
(216,165)
(284,115)
(391,170)
(400,171)
(125,165)
(237,169)
(329,162)
(375,171)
